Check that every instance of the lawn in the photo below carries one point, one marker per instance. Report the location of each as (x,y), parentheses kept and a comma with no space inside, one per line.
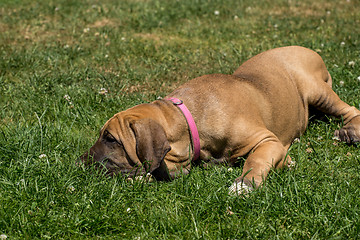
(67,66)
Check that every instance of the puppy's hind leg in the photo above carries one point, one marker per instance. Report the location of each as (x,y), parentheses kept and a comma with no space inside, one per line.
(325,99)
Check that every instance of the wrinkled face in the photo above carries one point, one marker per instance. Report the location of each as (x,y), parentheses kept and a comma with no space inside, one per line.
(109,152)
(131,147)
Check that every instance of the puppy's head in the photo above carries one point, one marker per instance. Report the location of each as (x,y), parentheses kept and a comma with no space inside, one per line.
(131,146)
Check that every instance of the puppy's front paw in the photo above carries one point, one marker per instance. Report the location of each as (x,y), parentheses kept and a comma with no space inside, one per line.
(240,189)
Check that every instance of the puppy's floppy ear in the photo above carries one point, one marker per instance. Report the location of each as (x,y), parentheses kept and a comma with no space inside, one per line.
(151,147)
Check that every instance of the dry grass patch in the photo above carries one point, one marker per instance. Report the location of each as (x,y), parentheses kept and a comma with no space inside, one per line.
(105,22)
(162,39)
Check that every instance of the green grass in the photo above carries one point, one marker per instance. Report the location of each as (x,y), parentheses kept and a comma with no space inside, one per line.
(139,50)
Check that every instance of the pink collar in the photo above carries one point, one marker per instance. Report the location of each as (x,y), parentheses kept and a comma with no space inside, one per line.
(192,126)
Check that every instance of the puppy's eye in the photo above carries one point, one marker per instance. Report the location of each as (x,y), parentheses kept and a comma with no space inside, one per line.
(108,137)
